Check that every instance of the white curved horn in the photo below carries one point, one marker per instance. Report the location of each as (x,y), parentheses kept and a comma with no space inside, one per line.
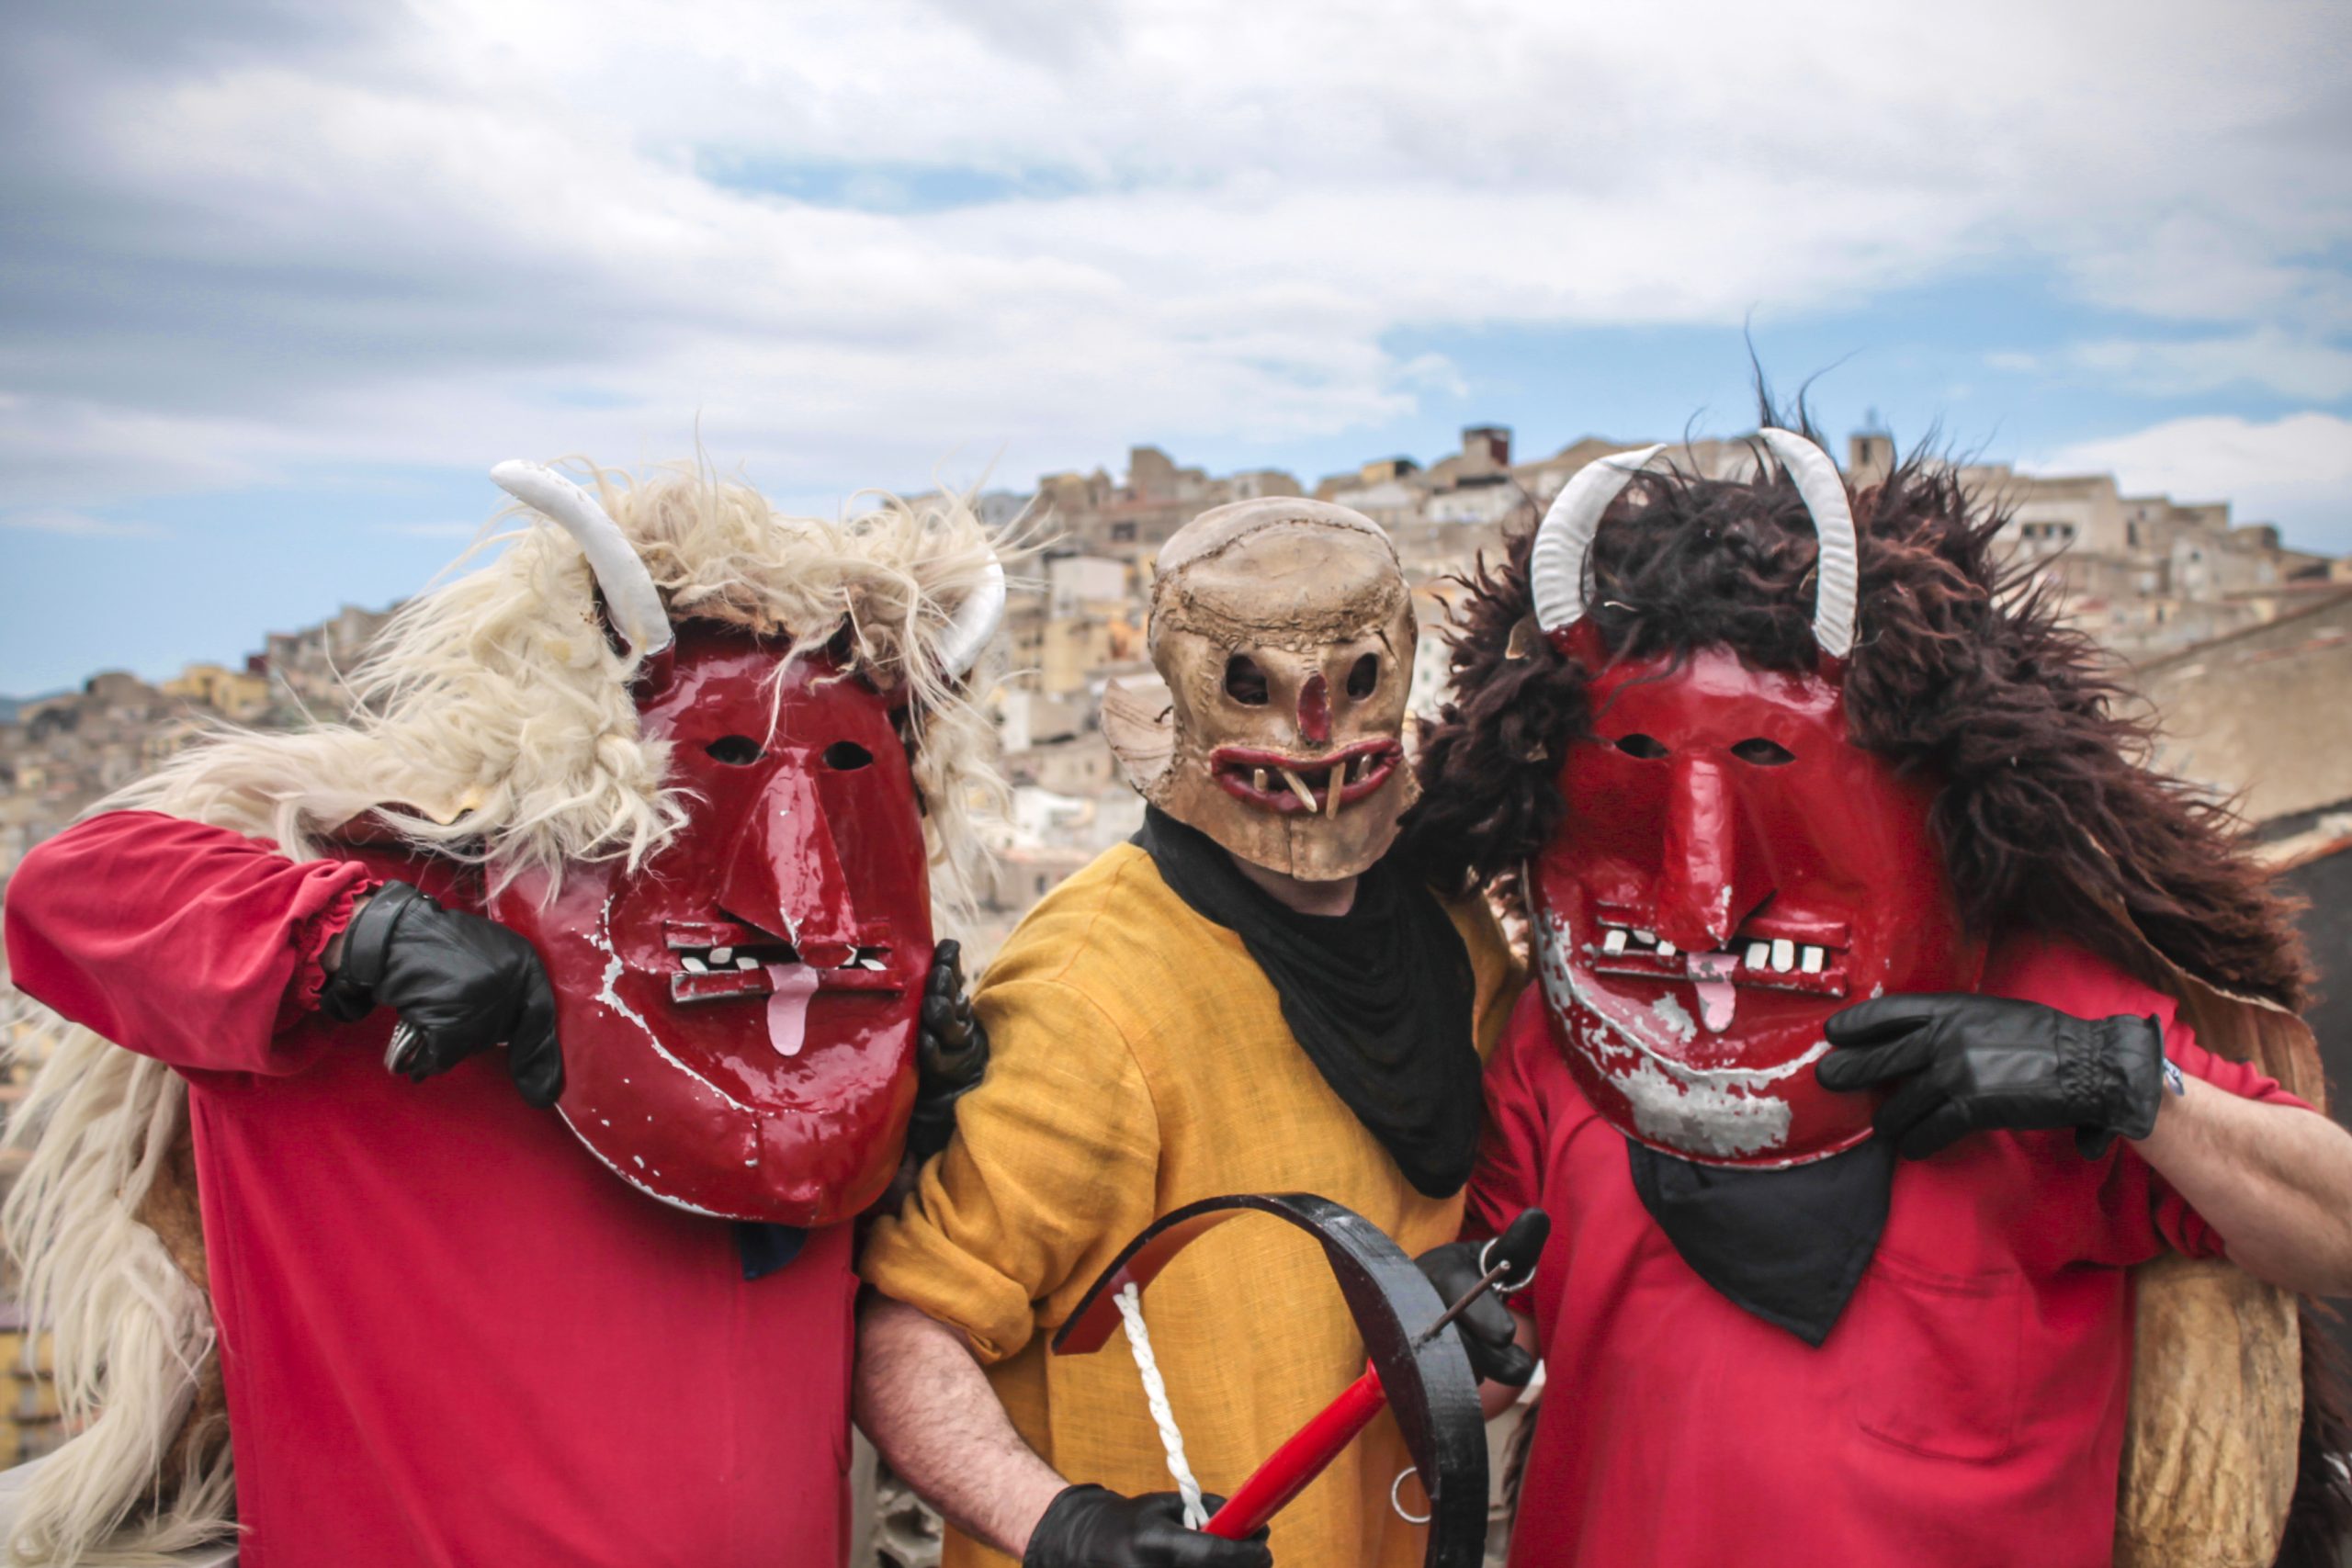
(1838,563)
(977,619)
(1555,566)
(630,597)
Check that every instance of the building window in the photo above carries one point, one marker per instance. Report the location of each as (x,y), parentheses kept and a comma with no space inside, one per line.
(1123,533)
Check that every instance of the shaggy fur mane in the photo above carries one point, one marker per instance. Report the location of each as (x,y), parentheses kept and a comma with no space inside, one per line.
(495,724)
(2047,812)
(495,727)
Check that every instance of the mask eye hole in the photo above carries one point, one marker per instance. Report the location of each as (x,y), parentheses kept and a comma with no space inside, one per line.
(1363,677)
(735,750)
(1763,754)
(844,756)
(1244,681)
(1647,747)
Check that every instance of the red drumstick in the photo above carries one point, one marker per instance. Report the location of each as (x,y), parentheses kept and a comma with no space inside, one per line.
(1510,1262)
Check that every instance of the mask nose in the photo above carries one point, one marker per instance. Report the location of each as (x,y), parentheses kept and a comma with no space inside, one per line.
(1704,886)
(782,873)
(1315,710)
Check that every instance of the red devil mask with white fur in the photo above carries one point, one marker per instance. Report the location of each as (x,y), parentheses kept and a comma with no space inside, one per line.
(1732,868)
(738,1014)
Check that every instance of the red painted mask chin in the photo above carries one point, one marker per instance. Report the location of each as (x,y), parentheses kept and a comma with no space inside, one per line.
(738,1015)
(1731,872)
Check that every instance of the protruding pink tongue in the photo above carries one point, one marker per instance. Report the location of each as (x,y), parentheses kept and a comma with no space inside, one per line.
(1710,978)
(788,1005)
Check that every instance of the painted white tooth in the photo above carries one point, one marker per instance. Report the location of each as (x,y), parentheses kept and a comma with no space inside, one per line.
(873,963)
(722,956)
(1298,787)
(1785,954)
(1811,961)
(747,962)
(694,965)
(1665,948)
(1648,938)
(1331,804)
(1615,940)
(1258,780)
(1759,955)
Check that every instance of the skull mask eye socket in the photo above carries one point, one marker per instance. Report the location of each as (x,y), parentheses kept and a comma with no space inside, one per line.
(1245,683)
(735,750)
(845,756)
(1646,746)
(1363,677)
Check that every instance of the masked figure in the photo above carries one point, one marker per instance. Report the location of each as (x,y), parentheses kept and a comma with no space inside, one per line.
(1866,957)
(1705,914)
(1250,997)
(1286,634)
(652,802)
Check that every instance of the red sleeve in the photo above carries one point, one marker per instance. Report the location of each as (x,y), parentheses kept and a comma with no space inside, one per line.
(191,944)
(1510,1146)
(2137,1213)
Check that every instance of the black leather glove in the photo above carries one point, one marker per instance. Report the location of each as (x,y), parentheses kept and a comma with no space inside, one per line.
(1087,1526)
(1486,1325)
(1976,1063)
(460,983)
(951,1052)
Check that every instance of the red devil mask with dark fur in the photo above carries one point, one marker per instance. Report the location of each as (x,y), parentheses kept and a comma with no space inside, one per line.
(1732,868)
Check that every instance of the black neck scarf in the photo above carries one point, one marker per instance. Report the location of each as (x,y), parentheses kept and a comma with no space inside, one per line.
(1788,1245)
(1379,998)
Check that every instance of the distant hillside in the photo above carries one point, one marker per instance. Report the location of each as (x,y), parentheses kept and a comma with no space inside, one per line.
(9,706)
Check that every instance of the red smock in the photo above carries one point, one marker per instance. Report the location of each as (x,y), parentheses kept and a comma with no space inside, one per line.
(1967,1407)
(449,1335)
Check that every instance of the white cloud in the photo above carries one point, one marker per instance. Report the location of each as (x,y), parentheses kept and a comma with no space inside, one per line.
(422,235)
(2295,471)
(2305,369)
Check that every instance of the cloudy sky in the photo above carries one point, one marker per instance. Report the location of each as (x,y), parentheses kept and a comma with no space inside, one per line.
(281,281)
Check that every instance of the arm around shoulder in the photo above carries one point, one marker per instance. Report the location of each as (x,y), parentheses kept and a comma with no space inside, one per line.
(180,940)
(2273,1178)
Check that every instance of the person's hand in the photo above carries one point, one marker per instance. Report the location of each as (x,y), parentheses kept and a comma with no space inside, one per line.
(951,1052)
(1488,1325)
(1088,1527)
(1968,1063)
(459,984)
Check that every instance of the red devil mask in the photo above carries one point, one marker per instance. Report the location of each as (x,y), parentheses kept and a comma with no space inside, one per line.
(1732,869)
(738,1014)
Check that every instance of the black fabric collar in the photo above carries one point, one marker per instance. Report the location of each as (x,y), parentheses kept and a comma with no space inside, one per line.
(1788,1245)
(1380,999)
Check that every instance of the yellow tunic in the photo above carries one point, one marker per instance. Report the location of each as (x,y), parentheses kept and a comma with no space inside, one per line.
(1139,1061)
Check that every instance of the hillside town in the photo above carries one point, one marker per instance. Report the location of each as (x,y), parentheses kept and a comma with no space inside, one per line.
(2151,578)
(2231,638)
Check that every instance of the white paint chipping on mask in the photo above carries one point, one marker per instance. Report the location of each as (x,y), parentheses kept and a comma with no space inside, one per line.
(1701,1118)
(633,1181)
(611,997)
(1723,1112)
(1672,1014)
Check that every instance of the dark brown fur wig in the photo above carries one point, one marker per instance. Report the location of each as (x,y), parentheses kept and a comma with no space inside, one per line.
(2047,813)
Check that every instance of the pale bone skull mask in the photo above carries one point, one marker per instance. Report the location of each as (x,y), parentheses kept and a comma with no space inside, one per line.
(1284,630)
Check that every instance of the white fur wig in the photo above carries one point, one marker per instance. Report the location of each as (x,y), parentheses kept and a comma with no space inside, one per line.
(496,726)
